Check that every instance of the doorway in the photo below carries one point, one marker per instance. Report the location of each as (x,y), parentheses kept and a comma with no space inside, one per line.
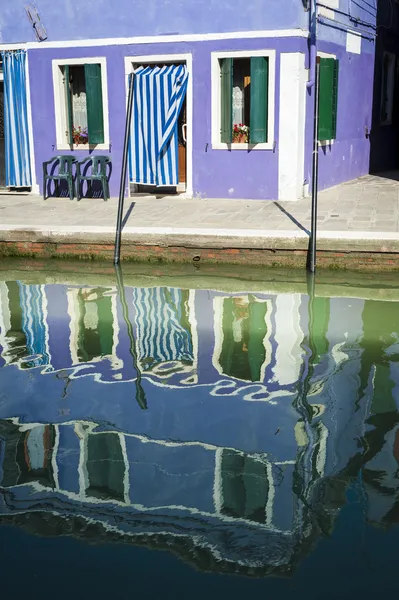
(183,184)
(182,147)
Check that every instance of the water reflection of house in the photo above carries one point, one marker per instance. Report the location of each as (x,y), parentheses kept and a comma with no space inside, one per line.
(245,511)
(259,405)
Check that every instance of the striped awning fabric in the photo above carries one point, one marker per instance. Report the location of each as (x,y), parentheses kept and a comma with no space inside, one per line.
(158,97)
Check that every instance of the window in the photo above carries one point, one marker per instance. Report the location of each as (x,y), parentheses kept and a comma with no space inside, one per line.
(34,455)
(80,103)
(105,467)
(387,88)
(243,352)
(244,487)
(328,99)
(243,100)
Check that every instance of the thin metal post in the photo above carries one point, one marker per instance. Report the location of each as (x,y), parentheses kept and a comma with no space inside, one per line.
(140,394)
(311,259)
(117,250)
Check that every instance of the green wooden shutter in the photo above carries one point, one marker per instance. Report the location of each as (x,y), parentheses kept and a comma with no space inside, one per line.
(68,102)
(328,99)
(335,99)
(94,100)
(226,97)
(259,100)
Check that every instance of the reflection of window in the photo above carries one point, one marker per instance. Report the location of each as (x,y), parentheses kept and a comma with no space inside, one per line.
(95,324)
(242,353)
(244,486)
(80,98)
(387,88)
(105,467)
(34,454)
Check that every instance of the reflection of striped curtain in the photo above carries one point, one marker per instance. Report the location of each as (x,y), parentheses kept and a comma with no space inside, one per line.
(18,172)
(33,302)
(163,328)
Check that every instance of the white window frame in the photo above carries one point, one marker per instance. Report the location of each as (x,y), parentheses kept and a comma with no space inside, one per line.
(60,108)
(218,307)
(216,99)
(390,88)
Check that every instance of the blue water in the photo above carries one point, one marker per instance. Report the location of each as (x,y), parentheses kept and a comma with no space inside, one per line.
(181,437)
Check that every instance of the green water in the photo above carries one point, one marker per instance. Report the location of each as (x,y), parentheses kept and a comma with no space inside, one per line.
(183,432)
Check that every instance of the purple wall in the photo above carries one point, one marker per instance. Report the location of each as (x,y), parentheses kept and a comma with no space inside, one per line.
(216,173)
(86,19)
(348,157)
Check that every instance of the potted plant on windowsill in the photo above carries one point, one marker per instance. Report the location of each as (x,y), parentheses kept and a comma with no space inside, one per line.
(240,134)
(80,135)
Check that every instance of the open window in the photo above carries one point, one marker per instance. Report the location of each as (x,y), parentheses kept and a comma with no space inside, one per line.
(243,103)
(81,103)
(387,88)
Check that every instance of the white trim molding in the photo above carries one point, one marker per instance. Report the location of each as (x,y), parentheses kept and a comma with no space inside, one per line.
(187,58)
(161,39)
(215,99)
(34,184)
(291,151)
(60,108)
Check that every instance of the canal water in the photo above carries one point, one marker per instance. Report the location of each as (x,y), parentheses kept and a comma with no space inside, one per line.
(181,434)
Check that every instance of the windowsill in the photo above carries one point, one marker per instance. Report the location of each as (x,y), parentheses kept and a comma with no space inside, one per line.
(75,147)
(326,142)
(247,147)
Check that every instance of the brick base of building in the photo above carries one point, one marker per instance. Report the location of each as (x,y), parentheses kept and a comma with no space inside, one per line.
(374,261)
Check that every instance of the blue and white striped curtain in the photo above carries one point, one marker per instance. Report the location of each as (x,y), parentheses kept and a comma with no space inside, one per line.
(18,173)
(158,97)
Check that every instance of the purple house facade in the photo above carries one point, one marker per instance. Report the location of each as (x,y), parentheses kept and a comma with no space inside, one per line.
(243,123)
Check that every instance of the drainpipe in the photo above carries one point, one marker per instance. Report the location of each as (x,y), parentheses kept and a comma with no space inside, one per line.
(312,49)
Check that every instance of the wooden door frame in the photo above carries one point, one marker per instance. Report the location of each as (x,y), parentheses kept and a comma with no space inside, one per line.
(170,58)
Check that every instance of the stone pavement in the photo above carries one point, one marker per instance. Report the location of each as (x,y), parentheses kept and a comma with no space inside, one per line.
(361,215)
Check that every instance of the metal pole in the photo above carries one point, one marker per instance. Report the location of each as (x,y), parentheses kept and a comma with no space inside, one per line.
(117,250)
(311,259)
(140,394)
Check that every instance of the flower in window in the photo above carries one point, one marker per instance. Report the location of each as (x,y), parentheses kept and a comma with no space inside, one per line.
(240,133)
(80,135)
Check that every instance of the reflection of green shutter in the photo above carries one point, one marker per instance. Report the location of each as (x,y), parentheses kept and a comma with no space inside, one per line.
(259,96)
(226,96)
(68,99)
(328,99)
(94,100)
(105,325)
(321,319)
(257,334)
